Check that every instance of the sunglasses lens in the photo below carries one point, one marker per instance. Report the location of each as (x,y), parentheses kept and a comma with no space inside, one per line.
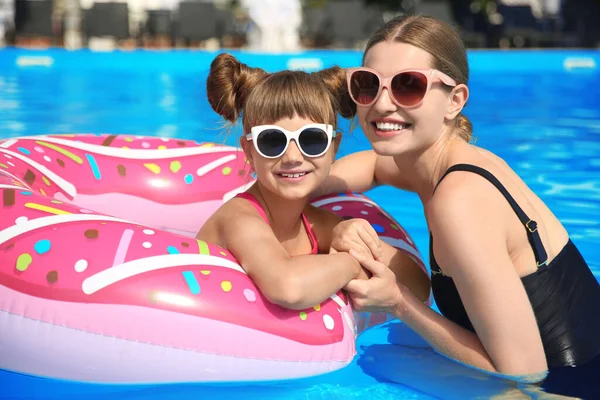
(364,87)
(313,141)
(409,88)
(271,142)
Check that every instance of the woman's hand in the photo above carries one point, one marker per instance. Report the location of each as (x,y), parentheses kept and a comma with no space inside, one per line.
(357,234)
(380,293)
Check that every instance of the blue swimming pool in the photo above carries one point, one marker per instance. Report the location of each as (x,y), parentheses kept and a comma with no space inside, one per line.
(539,110)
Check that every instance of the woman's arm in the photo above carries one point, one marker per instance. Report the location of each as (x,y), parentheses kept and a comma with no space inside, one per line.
(408,272)
(470,242)
(361,171)
(381,293)
(295,282)
(470,246)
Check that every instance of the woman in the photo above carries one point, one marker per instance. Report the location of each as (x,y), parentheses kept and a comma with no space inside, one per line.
(515,294)
(290,140)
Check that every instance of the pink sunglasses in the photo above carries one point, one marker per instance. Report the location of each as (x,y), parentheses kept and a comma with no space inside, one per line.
(407,88)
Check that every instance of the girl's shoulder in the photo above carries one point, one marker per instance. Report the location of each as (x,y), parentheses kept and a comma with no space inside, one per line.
(232,213)
(319,217)
(322,223)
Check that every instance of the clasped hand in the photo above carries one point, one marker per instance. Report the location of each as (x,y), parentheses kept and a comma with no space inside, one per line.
(380,292)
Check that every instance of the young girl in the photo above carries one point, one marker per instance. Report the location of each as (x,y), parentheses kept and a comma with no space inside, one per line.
(290,140)
(516,295)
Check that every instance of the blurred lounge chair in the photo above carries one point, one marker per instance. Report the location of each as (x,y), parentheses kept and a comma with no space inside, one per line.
(346,22)
(540,28)
(33,22)
(106,20)
(158,29)
(581,19)
(231,30)
(313,31)
(197,21)
(520,27)
(443,10)
(474,21)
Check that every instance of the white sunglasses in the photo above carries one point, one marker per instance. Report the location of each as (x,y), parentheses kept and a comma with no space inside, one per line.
(272,141)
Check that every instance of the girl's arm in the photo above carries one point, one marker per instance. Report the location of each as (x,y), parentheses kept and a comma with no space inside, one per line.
(470,245)
(361,171)
(297,282)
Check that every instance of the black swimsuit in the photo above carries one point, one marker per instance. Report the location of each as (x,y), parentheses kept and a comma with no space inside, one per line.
(565,297)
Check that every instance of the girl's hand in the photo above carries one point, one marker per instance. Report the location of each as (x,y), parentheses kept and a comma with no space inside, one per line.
(363,274)
(358,235)
(380,293)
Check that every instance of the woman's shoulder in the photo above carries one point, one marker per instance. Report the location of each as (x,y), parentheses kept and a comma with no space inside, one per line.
(464,180)
(459,187)
(467,196)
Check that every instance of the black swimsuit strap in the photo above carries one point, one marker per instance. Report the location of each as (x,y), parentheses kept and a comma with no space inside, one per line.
(531,226)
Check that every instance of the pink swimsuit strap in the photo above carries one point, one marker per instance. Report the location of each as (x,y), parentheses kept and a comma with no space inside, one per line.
(311,235)
(254,201)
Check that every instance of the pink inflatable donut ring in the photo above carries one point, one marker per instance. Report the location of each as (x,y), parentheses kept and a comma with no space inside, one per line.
(101,279)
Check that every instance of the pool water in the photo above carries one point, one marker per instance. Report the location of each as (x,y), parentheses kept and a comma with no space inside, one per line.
(540,111)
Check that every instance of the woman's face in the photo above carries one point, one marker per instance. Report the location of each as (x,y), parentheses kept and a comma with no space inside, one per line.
(293,175)
(394,130)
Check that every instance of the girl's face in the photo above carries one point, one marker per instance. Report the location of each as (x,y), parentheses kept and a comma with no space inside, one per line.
(292,175)
(392,129)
